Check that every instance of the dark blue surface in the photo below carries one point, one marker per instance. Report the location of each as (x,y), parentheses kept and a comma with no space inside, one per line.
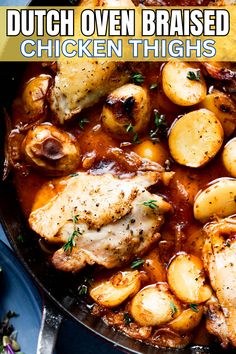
(19,295)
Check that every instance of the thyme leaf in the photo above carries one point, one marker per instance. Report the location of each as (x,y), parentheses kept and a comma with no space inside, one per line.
(137,263)
(194,75)
(68,246)
(127,318)
(82,289)
(160,126)
(194,307)
(137,78)
(82,122)
(173,308)
(130,129)
(151,204)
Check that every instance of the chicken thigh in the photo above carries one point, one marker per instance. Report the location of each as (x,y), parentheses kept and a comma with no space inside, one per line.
(80,84)
(219,255)
(109,220)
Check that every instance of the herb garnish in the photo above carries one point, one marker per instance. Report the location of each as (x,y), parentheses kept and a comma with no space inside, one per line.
(137,263)
(130,129)
(153,86)
(20,239)
(151,204)
(137,78)
(127,318)
(82,289)
(74,175)
(68,246)
(75,218)
(173,308)
(8,343)
(160,126)
(194,307)
(82,122)
(194,75)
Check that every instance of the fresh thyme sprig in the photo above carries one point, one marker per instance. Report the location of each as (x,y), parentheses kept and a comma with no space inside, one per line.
(151,204)
(160,126)
(130,129)
(68,246)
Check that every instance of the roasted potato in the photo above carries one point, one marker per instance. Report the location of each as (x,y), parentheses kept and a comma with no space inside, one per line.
(183,83)
(216,200)
(229,157)
(154,267)
(52,151)
(187,320)
(118,288)
(126,111)
(33,96)
(224,109)
(195,138)
(154,152)
(186,279)
(154,305)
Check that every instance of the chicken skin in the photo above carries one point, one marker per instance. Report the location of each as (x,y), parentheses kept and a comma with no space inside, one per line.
(219,255)
(80,84)
(112,219)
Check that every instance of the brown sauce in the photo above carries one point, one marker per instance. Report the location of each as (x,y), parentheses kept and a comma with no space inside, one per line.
(180,231)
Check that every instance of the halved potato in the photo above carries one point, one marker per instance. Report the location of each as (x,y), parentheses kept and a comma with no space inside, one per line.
(118,288)
(51,150)
(216,200)
(186,279)
(229,157)
(196,138)
(154,305)
(224,108)
(154,268)
(154,152)
(33,95)
(126,111)
(195,240)
(179,88)
(187,320)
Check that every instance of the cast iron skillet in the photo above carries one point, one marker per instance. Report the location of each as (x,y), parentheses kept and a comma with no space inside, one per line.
(60,289)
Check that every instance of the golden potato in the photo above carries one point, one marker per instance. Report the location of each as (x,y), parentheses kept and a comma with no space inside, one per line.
(183,83)
(186,279)
(154,305)
(229,157)
(187,320)
(126,111)
(154,152)
(224,108)
(51,150)
(118,288)
(216,200)
(33,95)
(154,268)
(195,138)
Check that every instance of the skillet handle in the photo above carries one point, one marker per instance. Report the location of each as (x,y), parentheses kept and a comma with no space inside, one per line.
(49,329)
